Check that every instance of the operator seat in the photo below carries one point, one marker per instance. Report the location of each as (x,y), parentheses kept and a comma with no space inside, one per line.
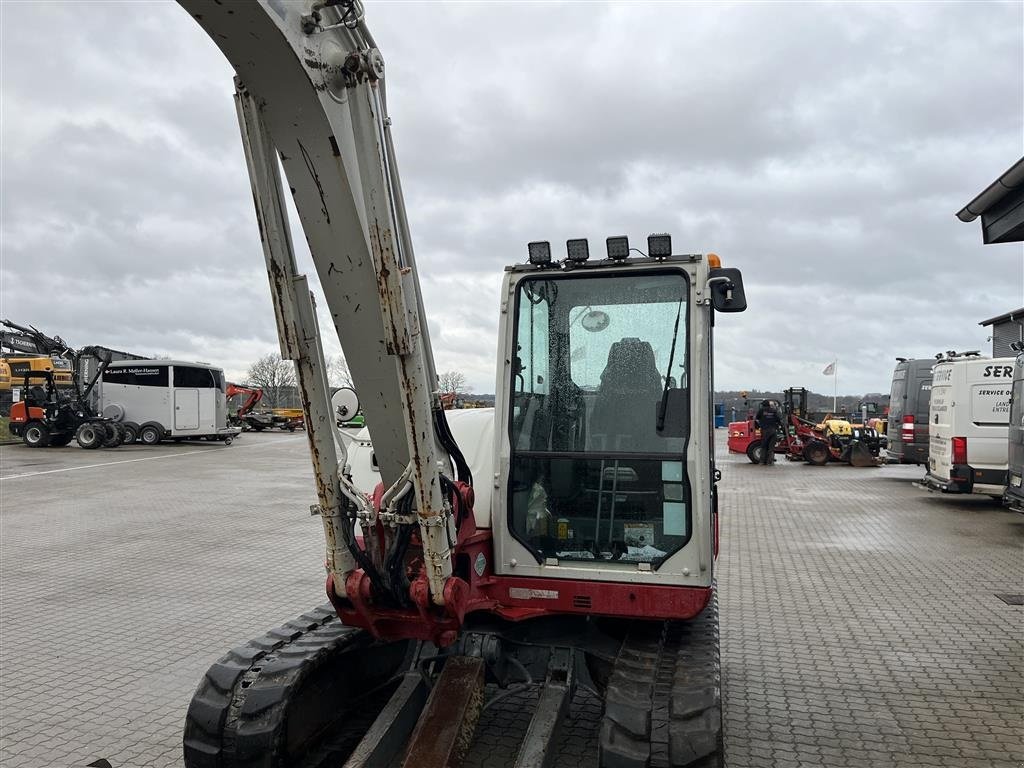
(624,414)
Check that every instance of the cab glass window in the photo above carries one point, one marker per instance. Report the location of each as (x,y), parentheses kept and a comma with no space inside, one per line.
(600,415)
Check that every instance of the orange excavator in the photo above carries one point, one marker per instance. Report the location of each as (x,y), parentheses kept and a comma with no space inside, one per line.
(249,419)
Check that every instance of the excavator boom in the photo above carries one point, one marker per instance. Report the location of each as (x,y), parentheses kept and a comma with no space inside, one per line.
(319,61)
(334,168)
(252,399)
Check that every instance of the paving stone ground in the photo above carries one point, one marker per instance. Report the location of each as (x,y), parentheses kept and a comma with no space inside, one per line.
(859,619)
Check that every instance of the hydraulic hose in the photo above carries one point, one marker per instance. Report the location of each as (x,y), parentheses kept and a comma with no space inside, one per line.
(447,440)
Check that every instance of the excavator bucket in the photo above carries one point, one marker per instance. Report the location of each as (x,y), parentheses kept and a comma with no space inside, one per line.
(860,456)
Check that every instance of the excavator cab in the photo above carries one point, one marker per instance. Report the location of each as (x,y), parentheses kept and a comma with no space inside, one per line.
(604,425)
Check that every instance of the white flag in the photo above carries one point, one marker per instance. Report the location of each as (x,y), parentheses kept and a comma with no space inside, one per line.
(830,368)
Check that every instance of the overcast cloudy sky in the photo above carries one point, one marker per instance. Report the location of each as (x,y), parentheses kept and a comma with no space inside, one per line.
(821,148)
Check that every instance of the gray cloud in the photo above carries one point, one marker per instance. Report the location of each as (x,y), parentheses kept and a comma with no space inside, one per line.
(821,148)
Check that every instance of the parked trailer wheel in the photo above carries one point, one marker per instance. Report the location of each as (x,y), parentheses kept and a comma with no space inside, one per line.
(150,434)
(754,452)
(36,435)
(816,453)
(131,432)
(91,435)
(228,440)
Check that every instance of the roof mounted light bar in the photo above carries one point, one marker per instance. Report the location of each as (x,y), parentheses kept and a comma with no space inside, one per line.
(659,246)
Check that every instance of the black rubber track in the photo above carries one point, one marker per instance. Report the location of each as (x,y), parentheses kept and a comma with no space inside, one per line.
(663,704)
(300,696)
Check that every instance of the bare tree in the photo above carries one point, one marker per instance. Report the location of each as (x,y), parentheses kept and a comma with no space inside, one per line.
(452,382)
(273,375)
(338,374)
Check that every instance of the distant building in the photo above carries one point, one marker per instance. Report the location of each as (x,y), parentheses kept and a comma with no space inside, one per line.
(1001,207)
(1005,329)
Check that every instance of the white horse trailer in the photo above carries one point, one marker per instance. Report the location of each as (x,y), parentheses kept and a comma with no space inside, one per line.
(158,399)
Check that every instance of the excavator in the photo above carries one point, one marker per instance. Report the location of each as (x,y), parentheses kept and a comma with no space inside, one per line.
(248,418)
(23,353)
(563,541)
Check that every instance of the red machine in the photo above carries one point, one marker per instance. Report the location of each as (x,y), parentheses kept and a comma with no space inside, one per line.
(249,419)
(803,440)
(255,394)
(48,416)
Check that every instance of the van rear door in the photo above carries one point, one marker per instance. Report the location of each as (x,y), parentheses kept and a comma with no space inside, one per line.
(940,428)
(990,415)
(897,404)
(1015,475)
(922,399)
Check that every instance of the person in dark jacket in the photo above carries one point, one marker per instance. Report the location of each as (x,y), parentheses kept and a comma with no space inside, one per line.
(768,420)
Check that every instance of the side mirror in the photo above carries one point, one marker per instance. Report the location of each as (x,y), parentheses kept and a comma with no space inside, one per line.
(726,287)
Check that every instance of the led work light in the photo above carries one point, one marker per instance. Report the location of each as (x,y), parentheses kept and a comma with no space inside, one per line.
(659,246)
(577,250)
(540,252)
(618,247)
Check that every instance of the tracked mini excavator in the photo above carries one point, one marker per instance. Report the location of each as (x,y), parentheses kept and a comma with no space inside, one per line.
(248,418)
(564,539)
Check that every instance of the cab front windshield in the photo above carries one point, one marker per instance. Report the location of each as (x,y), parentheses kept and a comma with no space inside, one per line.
(599,418)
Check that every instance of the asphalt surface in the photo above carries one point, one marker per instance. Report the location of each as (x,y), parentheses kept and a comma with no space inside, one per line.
(859,619)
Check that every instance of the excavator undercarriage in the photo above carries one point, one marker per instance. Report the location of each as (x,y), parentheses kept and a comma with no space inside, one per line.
(314,693)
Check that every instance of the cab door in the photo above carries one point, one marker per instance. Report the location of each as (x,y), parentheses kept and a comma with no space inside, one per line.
(186,409)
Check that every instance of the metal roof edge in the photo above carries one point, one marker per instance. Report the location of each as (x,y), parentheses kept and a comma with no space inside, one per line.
(1016,314)
(1011,180)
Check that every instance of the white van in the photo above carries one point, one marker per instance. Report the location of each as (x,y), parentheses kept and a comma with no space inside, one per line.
(157,399)
(968,422)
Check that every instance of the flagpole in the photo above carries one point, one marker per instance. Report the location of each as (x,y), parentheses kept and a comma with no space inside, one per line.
(835,383)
